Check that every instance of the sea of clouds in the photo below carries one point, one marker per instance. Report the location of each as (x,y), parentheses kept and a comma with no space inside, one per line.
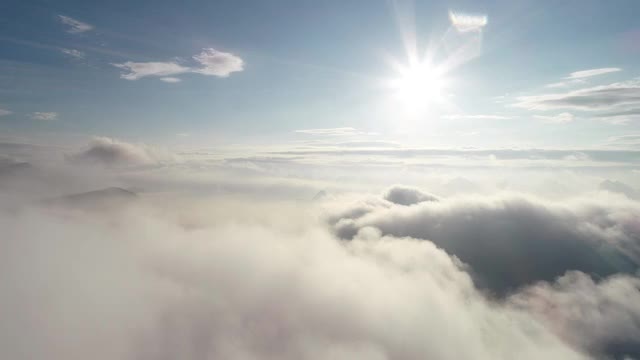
(125,251)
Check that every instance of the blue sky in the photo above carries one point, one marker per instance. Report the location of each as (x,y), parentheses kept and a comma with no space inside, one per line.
(271,69)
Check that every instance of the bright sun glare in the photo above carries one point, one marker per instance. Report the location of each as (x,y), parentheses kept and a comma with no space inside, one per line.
(419,84)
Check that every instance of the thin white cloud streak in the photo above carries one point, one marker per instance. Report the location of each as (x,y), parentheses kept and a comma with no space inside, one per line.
(138,70)
(340,131)
(563,84)
(210,62)
(476,117)
(624,141)
(4,112)
(561,118)
(73,53)
(44,116)
(592,72)
(171,80)
(580,77)
(628,112)
(604,97)
(75,26)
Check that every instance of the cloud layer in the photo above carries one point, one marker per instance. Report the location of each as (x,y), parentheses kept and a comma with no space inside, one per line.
(592,72)
(176,260)
(138,286)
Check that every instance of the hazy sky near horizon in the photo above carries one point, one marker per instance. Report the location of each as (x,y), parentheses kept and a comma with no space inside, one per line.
(528,74)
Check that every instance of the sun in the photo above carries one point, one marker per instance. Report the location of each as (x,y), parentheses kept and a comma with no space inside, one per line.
(419,85)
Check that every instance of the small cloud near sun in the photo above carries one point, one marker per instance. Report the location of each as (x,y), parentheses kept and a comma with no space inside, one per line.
(467,22)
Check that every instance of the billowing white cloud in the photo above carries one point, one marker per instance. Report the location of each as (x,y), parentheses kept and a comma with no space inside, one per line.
(112,152)
(75,26)
(210,62)
(143,270)
(500,238)
(407,195)
(45,116)
(138,282)
(218,63)
(602,317)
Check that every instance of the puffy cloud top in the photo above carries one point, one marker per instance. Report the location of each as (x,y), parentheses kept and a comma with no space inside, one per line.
(111,152)
(405,195)
(511,240)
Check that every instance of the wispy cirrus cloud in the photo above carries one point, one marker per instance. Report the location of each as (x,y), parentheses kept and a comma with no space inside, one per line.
(172,80)
(563,84)
(561,118)
(476,117)
(138,70)
(629,112)
(73,53)
(75,26)
(604,97)
(210,62)
(592,72)
(579,77)
(340,131)
(4,112)
(624,141)
(44,116)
